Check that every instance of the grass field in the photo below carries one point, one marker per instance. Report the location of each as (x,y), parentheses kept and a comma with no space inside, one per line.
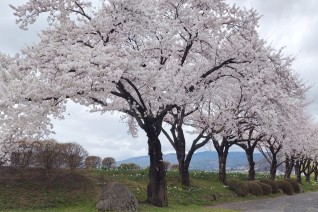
(60,190)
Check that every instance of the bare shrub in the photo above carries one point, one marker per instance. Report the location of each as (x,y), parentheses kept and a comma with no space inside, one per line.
(75,155)
(23,154)
(46,153)
(92,162)
(108,163)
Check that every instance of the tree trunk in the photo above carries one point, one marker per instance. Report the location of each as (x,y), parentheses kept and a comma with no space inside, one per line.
(185,178)
(181,155)
(273,168)
(184,173)
(315,170)
(307,177)
(222,166)
(251,165)
(287,173)
(297,172)
(157,186)
(289,165)
(222,150)
(179,144)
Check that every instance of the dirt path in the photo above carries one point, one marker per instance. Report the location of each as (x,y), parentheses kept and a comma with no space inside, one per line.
(305,202)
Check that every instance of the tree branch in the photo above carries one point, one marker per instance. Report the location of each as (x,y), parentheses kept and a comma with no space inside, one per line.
(168,137)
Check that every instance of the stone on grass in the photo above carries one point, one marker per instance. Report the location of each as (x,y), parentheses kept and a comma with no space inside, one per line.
(117,197)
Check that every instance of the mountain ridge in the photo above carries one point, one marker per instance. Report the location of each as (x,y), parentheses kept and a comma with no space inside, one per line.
(206,160)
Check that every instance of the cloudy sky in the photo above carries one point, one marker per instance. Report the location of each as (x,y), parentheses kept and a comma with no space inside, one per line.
(292,24)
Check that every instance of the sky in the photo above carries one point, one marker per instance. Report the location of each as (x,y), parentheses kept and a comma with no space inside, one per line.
(292,24)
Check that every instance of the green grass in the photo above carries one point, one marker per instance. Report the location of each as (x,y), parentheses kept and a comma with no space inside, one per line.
(62,191)
(34,189)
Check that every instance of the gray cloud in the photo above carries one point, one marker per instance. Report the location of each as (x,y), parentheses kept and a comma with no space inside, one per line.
(282,9)
(309,42)
(101,134)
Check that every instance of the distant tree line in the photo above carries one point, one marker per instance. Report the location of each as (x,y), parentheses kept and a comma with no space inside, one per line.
(50,154)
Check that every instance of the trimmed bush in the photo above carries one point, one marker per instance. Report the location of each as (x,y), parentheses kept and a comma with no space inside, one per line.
(267,189)
(285,186)
(272,183)
(238,187)
(294,184)
(254,188)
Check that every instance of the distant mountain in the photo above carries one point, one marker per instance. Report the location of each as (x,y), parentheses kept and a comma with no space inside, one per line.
(207,160)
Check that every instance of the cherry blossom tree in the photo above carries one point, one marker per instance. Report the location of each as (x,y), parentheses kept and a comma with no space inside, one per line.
(249,140)
(256,107)
(284,137)
(257,127)
(304,153)
(217,115)
(177,119)
(142,58)
(18,119)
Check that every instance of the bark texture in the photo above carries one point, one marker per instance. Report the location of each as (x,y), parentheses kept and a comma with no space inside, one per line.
(157,186)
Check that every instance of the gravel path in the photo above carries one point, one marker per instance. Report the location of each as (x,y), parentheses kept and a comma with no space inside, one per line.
(305,202)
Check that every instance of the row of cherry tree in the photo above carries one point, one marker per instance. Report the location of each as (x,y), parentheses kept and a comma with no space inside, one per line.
(296,149)
(189,62)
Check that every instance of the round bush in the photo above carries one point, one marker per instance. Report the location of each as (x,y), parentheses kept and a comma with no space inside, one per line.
(272,183)
(294,184)
(285,186)
(254,188)
(267,189)
(238,187)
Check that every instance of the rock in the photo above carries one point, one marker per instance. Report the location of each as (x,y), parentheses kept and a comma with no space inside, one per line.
(117,197)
